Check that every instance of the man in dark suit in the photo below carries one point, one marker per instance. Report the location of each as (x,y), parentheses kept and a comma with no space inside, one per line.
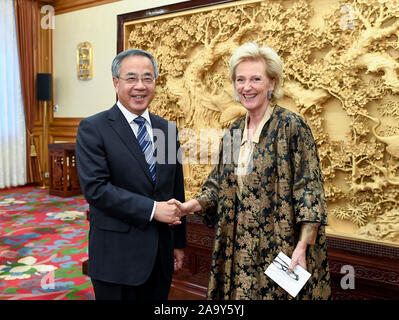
(136,238)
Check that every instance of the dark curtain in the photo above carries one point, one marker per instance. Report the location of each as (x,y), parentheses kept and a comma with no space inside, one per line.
(27,21)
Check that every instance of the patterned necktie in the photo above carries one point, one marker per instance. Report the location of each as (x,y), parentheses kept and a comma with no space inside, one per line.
(146,145)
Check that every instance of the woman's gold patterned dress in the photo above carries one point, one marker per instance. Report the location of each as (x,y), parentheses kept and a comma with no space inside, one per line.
(283,191)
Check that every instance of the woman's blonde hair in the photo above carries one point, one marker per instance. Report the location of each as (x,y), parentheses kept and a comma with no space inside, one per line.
(274,65)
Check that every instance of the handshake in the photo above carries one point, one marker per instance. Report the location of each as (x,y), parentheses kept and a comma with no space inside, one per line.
(172,211)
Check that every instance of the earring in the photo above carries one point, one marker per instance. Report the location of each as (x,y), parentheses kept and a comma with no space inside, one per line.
(269,94)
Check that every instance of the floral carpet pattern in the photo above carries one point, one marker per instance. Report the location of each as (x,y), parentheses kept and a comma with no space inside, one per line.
(43,241)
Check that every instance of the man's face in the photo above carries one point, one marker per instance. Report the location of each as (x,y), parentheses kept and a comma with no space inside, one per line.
(134,89)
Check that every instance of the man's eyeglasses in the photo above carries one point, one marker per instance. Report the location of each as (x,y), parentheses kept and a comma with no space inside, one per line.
(146,79)
(285,267)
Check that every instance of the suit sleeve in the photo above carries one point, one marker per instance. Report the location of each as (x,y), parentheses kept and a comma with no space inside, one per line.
(180,230)
(94,177)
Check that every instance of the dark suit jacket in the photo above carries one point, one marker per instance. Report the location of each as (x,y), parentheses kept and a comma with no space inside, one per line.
(115,179)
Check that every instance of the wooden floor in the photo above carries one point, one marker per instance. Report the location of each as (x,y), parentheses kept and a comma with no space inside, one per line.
(181,290)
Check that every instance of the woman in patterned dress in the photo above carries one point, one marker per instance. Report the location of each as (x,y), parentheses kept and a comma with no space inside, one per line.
(272,200)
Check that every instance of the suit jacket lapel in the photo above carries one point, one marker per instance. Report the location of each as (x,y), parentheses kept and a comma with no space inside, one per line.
(122,128)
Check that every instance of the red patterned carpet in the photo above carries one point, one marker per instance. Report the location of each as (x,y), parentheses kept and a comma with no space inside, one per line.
(43,240)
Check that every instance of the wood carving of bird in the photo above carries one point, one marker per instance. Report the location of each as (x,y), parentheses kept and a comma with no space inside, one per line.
(392,142)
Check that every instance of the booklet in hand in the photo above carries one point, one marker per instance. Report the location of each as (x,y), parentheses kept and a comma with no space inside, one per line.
(292,282)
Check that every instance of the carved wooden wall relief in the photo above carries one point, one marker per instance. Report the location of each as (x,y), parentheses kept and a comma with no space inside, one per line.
(341,74)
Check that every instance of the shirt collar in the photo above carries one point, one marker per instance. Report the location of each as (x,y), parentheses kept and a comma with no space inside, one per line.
(256,136)
(131,116)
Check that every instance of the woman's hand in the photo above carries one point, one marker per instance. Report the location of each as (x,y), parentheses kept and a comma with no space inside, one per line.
(186,207)
(299,256)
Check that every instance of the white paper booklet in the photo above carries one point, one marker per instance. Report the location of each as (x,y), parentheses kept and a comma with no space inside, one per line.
(290,282)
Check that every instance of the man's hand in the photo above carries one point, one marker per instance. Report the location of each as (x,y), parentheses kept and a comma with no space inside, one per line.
(186,207)
(167,213)
(179,257)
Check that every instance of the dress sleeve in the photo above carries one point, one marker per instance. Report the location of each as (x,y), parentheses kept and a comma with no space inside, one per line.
(308,187)
(208,199)
(308,232)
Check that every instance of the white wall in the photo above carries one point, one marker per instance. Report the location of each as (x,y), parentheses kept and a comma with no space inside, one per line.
(97,25)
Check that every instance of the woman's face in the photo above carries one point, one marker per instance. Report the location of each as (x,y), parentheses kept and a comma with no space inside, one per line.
(252,84)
